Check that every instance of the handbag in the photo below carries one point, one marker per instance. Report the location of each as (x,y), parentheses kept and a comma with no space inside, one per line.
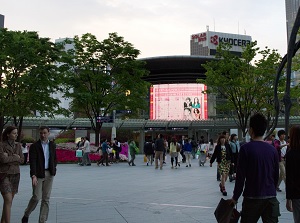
(226,213)
(78,153)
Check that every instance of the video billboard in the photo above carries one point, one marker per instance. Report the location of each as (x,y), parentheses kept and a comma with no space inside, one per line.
(178,102)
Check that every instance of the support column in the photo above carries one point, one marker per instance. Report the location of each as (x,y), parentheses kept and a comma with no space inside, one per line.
(142,141)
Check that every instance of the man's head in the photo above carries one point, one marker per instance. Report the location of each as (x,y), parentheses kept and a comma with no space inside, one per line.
(258,125)
(281,134)
(226,134)
(233,137)
(44,133)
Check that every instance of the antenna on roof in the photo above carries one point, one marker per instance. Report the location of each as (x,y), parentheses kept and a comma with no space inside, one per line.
(214,25)
(207,27)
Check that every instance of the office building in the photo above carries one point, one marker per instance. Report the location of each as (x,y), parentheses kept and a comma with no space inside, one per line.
(206,43)
(291,7)
(1,21)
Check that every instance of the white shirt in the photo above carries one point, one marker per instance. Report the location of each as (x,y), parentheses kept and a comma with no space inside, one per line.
(283,149)
(45,146)
(86,146)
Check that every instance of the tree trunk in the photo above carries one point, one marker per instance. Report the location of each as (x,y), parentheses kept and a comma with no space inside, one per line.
(1,126)
(97,133)
(20,127)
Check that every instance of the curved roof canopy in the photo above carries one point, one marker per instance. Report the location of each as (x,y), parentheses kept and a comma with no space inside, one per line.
(175,69)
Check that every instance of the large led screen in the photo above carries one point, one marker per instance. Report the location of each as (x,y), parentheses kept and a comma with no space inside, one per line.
(178,102)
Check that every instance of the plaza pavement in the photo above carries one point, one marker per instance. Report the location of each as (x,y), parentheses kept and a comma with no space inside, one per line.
(140,194)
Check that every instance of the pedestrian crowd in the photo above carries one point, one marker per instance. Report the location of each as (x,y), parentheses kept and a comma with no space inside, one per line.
(258,168)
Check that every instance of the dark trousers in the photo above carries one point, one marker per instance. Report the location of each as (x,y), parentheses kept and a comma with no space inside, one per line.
(25,158)
(104,158)
(117,155)
(253,209)
(132,159)
(176,160)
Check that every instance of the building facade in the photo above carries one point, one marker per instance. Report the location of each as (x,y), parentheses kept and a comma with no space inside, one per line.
(1,21)
(291,7)
(206,43)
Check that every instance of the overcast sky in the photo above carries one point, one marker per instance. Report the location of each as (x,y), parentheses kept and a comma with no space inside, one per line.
(155,27)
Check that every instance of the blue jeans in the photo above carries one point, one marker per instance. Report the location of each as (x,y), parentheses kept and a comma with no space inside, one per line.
(253,209)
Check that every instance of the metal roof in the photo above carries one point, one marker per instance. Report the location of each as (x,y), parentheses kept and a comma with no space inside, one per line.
(140,123)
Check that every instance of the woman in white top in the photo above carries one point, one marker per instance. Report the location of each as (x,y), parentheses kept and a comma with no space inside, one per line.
(25,152)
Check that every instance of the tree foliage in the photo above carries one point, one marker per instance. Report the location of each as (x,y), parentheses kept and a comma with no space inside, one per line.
(29,76)
(244,83)
(104,75)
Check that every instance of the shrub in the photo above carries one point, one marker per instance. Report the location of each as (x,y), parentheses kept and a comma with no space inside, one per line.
(63,140)
(28,139)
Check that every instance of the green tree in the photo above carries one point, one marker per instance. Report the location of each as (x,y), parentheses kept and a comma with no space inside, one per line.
(29,76)
(245,84)
(105,75)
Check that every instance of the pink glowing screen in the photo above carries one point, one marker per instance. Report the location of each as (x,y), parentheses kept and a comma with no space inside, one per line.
(178,102)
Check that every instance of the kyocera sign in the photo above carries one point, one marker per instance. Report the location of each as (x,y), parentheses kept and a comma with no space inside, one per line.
(232,41)
(213,39)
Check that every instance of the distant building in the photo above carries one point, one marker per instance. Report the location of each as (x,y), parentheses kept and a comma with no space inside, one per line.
(1,21)
(291,7)
(206,43)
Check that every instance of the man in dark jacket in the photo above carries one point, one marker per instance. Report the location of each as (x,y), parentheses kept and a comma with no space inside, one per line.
(257,176)
(159,151)
(42,159)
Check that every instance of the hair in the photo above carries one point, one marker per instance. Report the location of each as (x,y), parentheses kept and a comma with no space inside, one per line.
(219,139)
(258,123)
(7,131)
(87,138)
(295,137)
(211,141)
(173,140)
(195,100)
(232,136)
(188,109)
(224,133)
(44,127)
(280,132)
(24,144)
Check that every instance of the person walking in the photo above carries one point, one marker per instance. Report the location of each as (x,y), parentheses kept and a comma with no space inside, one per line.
(149,152)
(11,157)
(235,147)
(187,150)
(281,146)
(292,161)
(132,150)
(173,153)
(25,152)
(104,148)
(43,161)
(223,155)
(257,176)
(86,152)
(159,151)
(117,148)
